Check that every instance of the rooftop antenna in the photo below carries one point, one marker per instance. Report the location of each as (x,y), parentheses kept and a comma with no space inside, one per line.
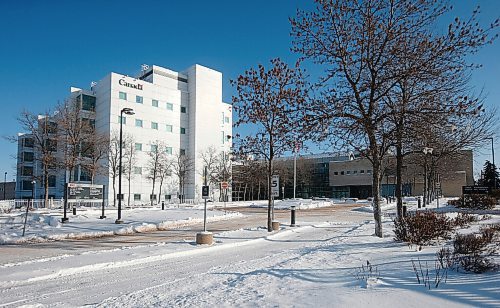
(144,67)
(93,84)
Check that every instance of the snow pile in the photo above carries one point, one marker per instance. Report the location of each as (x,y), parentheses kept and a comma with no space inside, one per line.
(300,204)
(43,225)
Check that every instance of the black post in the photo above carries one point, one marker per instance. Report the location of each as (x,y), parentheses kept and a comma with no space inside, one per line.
(103,194)
(292,218)
(65,218)
(205,212)
(74,209)
(163,205)
(419,202)
(404,210)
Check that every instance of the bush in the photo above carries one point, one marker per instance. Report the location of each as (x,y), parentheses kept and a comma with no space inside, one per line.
(464,219)
(469,243)
(495,193)
(473,251)
(455,202)
(477,202)
(422,228)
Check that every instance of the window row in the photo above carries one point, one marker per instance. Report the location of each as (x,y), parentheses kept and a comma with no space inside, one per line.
(28,184)
(154,102)
(154,148)
(154,125)
(351,172)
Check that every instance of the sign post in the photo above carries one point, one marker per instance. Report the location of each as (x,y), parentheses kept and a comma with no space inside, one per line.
(204,237)
(275,190)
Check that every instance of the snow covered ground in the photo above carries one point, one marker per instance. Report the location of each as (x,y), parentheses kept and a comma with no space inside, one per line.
(45,225)
(316,264)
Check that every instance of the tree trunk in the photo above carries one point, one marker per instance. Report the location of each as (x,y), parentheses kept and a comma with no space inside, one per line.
(377,213)
(114,191)
(128,198)
(269,202)
(399,172)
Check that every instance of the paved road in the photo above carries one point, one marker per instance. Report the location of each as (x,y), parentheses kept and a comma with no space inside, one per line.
(253,217)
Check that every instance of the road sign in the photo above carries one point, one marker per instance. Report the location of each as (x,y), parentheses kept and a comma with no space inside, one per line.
(204,191)
(224,185)
(275,185)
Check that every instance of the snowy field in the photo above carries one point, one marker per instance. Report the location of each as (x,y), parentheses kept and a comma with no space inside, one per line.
(313,265)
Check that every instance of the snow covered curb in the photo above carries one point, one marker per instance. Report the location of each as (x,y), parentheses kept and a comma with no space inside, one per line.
(144,227)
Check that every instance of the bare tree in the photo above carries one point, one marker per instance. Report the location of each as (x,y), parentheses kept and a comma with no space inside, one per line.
(43,132)
(165,170)
(113,160)
(155,163)
(269,99)
(361,45)
(130,158)
(96,150)
(74,134)
(182,165)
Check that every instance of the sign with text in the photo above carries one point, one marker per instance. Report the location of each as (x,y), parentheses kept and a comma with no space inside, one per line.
(275,185)
(224,185)
(85,191)
(479,190)
(205,191)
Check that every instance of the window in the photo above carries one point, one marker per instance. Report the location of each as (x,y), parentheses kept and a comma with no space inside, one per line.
(226,119)
(170,106)
(182,152)
(51,145)
(168,150)
(137,170)
(355,171)
(152,197)
(138,123)
(88,102)
(27,171)
(154,103)
(168,197)
(138,146)
(122,95)
(138,99)
(52,181)
(28,143)
(154,148)
(348,172)
(169,128)
(90,123)
(26,185)
(51,127)
(28,156)
(341,172)
(123,120)
(137,197)
(154,125)
(223,137)
(223,118)
(183,130)
(183,109)
(361,171)
(368,171)
(85,175)
(335,173)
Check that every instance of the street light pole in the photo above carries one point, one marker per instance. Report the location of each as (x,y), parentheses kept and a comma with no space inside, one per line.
(128,111)
(493,156)
(4,184)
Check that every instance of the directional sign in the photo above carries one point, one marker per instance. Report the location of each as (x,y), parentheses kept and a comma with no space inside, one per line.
(481,190)
(275,186)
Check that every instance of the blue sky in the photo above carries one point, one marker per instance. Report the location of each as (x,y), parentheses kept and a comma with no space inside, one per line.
(48,46)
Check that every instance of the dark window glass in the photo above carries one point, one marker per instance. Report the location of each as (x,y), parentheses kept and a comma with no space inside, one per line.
(183,109)
(52,181)
(85,175)
(183,152)
(27,171)
(26,185)
(88,102)
(28,156)
(29,143)
(51,145)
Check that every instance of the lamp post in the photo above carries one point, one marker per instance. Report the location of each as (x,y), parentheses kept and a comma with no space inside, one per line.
(493,156)
(128,111)
(4,184)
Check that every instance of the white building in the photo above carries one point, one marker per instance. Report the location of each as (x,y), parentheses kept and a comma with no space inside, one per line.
(182,110)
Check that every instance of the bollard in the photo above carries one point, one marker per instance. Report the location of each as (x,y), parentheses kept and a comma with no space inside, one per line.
(419,200)
(163,205)
(404,210)
(74,210)
(292,218)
